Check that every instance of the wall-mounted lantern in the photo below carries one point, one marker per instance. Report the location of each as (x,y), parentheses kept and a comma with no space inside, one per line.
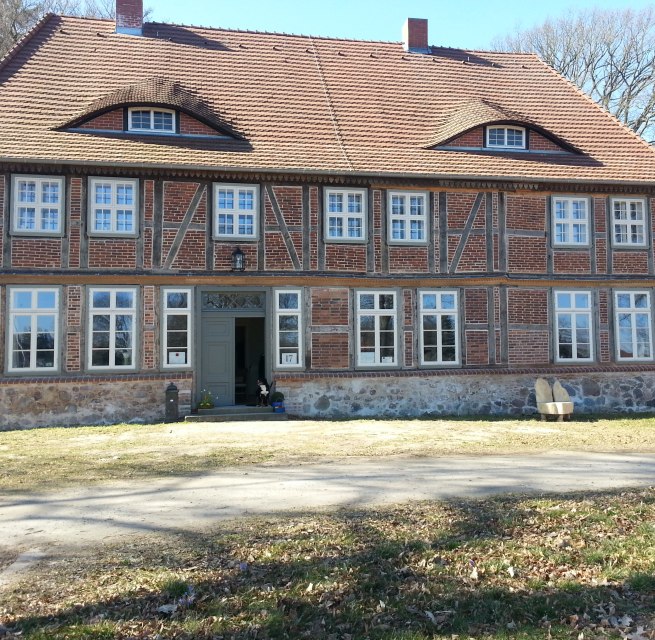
(238,260)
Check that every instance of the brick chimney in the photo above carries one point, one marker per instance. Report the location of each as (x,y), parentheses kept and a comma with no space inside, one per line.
(129,17)
(415,35)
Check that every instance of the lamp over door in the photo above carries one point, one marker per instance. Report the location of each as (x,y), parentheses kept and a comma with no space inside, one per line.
(238,260)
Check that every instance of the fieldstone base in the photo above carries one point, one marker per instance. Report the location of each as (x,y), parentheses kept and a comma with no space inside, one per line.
(495,394)
(49,403)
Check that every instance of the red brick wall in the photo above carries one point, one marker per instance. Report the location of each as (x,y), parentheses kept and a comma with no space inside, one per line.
(223,255)
(474,256)
(191,126)
(330,351)
(74,359)
(112,253)
(36,253)
(330,307)
(110,121)
(526,212)
(475,304)
(150,341)
(473,138)
(537,142)
(477,347)
(526,255)
(177,198)
(528,347)
(406,259)
(572,262)
(528,306)
(459,208)
(630,261)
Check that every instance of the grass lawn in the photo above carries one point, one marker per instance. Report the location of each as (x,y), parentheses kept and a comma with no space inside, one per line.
(47,458)
(571,566)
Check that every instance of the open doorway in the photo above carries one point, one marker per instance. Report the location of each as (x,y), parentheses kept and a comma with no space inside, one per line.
(249,358)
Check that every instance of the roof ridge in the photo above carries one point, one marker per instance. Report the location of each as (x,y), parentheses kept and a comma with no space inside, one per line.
(21,42)
(598,106)
(328,99)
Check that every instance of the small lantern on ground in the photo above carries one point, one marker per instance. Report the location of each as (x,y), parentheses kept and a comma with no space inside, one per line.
(238,260)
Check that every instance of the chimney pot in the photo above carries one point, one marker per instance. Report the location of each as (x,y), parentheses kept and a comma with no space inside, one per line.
(129,17)
(415,35)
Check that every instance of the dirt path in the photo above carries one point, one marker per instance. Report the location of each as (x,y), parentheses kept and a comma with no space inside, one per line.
(77,517)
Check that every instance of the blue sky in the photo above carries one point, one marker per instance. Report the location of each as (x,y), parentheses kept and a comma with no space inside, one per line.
(462,24)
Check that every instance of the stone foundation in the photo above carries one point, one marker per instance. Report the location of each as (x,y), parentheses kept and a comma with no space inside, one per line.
(49,403)
(458,395)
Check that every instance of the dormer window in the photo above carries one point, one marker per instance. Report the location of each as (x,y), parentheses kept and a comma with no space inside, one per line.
(506,138)
(151,120)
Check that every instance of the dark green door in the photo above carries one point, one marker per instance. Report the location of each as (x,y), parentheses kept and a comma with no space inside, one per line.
(217,358)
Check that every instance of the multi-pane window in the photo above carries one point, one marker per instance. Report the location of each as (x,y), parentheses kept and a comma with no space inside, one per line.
(574,326)
(506,137)
(235,208)
(345,214)
(177,327)
(288,326)
(633,325)
(438,311)
(113,205)
(38,205)
(570,221)
(33,336)
(154,120)
(628,222)
(376,328)
(111,335)
(408,217)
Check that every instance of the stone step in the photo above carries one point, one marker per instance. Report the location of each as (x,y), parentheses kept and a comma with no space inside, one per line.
(235,409)
(237,417)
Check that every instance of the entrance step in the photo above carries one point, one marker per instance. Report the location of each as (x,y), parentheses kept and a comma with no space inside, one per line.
(236,414)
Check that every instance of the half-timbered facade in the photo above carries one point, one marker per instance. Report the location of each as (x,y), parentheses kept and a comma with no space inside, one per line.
(377,228)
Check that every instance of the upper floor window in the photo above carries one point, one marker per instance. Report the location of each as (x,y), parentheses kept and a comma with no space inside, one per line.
(629,222)
(376,328)
(176,340)
(408,217)
(570,221)
(345,215)
(112,318)
(633,325)
(506,137)
(235,210)
(152,120)
(113,207)
(288,328)
(574,329)
(33,336)
(439,327)
(38,205)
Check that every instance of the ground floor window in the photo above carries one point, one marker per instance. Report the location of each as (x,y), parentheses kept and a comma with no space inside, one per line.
(176,326)
(574,328)
(288,325)
(633,325)
(439,327)
(112,319)
(376,328)
(33,335)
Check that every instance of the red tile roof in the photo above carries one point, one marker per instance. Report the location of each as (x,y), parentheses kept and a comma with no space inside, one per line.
(303,104)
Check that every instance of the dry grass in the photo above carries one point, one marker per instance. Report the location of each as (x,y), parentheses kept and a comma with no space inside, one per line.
(557,567)
(49,458)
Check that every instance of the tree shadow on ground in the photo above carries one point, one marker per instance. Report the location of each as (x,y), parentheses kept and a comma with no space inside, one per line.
(417,571)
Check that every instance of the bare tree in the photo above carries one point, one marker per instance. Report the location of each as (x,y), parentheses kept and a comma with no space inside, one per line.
(609,54)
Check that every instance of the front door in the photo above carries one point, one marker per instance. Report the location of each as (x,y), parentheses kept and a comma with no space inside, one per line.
(217,358)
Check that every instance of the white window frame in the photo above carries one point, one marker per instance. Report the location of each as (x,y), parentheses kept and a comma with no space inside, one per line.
(629,224)
(151,129)
(284,354)
(235,211)
(177,311)
(112,311)
(406,218)
(345,217)
(568,223)
(633,311)
(39,205)
(574,311)
(438,312)
(34,312)
(114,207)
(377,313)
(505,129)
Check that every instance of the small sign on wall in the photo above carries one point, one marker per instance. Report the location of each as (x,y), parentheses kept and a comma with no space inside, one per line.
(289,358)
(177,357)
